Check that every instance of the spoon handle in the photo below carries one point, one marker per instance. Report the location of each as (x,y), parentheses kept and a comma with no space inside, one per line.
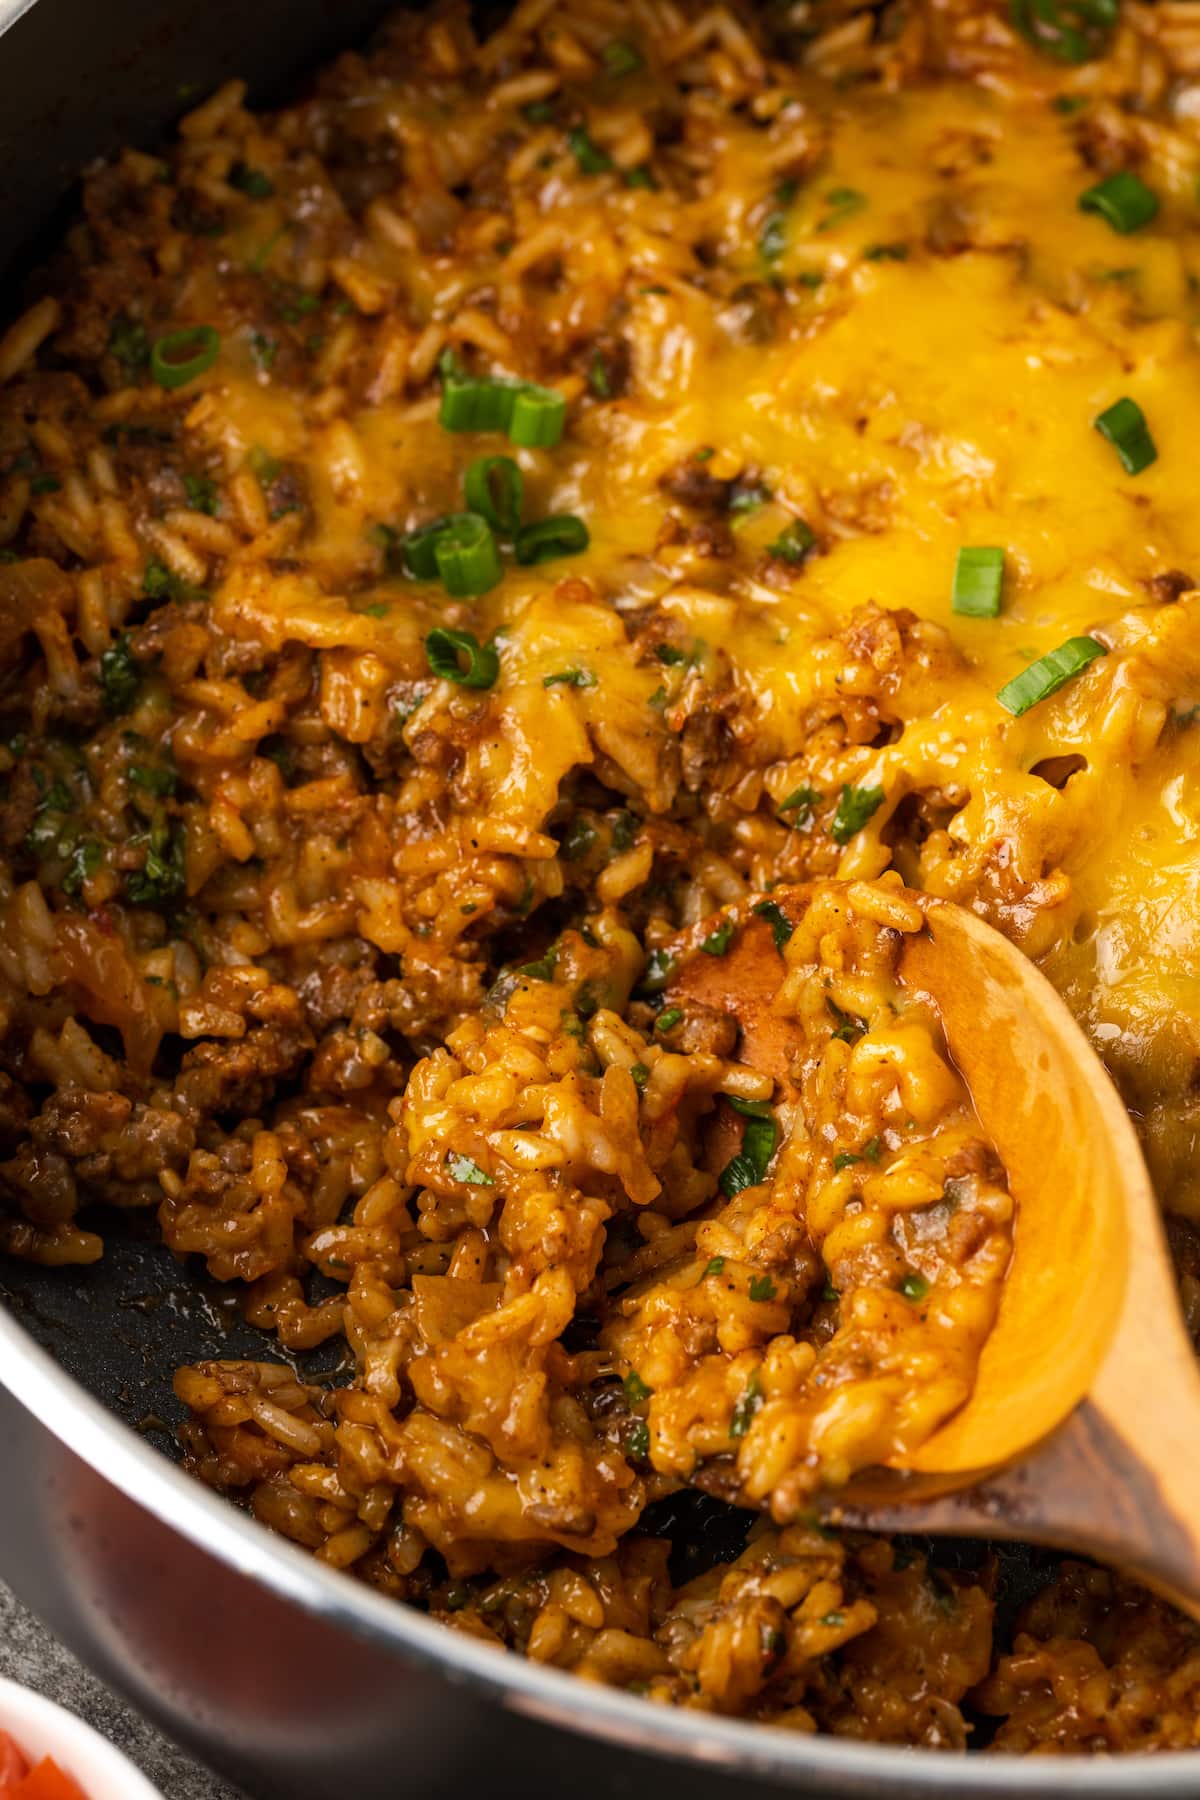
(1118,1480)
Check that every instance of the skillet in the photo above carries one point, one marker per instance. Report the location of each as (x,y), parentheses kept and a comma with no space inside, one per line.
(294,1680)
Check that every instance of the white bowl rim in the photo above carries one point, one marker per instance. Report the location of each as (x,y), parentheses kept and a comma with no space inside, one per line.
(40,1727)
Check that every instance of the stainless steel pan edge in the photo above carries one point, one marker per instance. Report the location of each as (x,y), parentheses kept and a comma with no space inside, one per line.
(291,1675)
(292,1678)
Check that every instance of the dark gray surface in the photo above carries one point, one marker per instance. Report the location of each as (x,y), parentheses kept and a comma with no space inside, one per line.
(30,1655)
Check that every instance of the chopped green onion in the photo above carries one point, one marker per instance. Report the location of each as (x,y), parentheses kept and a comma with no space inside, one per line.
(717,942)
(914,1287)
(872,1148)
(667,1021)
(462,1168)
(251,182)
(591,159)
(747,1406)
(643,177)
(170,360)
(844,1159)
(781,926)
(641,1075)
(635,1389)
(762,1287)
(793,543)
(832,1619)
(576,678)
(417,548)
(493,486)
(561,535)
(538,112)
(181,356)
(467,559)
(443,649)
(537,418)
(1124,425)
(1045,676)
(620,58)
(750,1109)
(1073,31)
(1123,200)
(716,1266)
(855,807)
(475,403)
(978,578)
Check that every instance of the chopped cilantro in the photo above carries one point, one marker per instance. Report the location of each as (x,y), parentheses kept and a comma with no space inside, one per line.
(82,864)
(801,801)
(747,1406)
(846,1026)
(252,182)
(579,837)
(781,926)
(155,780)
(202,495)
(463,1169)
(161,876)
(120,677)
(660,966)
(129,343)
(856,806)
(750,1165)
(621,58)
(717,942)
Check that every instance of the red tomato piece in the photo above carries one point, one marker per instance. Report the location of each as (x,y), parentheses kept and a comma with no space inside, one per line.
(12,1763)
(47,1782)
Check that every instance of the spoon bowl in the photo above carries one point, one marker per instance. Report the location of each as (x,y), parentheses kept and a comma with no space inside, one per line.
(1083,1427)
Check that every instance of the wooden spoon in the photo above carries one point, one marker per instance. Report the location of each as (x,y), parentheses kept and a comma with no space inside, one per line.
(1083,1430)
